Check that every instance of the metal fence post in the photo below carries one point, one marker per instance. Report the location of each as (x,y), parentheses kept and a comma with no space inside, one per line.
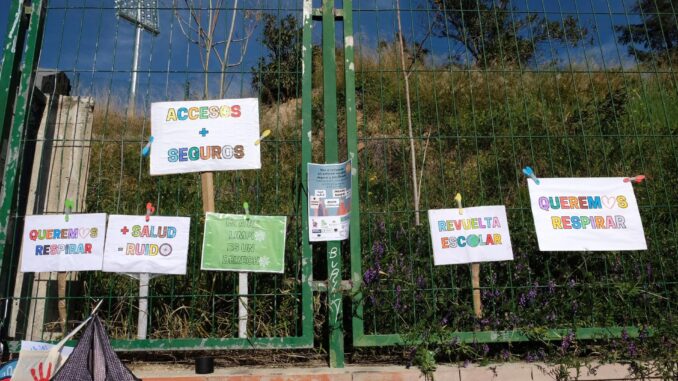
(23,99)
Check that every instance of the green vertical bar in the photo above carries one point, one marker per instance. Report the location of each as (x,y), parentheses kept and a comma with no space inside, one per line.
(32,53)
(334,297)
(17,22)
(306,145)
(352,141)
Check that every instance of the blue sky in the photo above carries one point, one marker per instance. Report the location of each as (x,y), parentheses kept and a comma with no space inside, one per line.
(85,39)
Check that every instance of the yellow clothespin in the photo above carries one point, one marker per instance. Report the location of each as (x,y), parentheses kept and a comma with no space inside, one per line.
(263,135)
(457,198)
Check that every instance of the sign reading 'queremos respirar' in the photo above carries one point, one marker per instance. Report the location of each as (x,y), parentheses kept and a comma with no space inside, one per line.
(586,214)
(50,243)
(204,136)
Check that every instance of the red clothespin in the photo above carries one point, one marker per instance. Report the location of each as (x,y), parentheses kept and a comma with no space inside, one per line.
(150,209)
(636,179)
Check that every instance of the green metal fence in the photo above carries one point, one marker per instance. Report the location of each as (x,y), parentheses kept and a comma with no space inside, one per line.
(429,98)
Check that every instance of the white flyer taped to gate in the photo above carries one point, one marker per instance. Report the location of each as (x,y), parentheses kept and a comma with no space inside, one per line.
(50,243)
(478,234)
(159,246)
(586,214)
(205,136)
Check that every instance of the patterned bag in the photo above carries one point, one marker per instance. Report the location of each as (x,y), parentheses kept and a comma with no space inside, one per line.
(93,359)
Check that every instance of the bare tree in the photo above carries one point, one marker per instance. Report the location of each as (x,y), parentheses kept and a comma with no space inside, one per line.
(201,20)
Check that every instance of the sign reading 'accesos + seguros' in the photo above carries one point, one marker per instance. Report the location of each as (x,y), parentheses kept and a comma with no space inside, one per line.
(201,136)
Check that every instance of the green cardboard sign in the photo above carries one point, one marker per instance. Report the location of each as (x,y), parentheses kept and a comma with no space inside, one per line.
(234,242)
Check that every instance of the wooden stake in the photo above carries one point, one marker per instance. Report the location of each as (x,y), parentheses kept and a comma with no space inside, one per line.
(208,206)
(207,191)
(475,282)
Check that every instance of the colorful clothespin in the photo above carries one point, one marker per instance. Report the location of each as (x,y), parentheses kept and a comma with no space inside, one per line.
(263,135)
(68,208)
(150,209)
(527,171)
(246,206)
(457,198)
(147,148)
(636,179)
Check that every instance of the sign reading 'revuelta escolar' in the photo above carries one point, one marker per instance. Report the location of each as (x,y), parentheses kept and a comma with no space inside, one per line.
(204,136)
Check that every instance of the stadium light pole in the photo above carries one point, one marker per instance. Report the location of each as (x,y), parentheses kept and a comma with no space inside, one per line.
(143,14)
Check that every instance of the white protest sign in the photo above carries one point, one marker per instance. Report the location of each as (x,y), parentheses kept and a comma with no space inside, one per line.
(40,346)
(204,136)
(480,234)
(586,214)
(159,246)
(49,243)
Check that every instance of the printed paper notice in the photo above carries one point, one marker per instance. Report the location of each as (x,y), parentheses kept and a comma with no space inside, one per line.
(480,234)
(586,214)
(329,201)
(49,243)
(159,246)
(241,243)
(203,136)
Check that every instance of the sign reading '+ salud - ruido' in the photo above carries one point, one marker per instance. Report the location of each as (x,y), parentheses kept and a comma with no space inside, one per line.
(478,234)
(586,214)
(241,243)
(159,246)
(205,136)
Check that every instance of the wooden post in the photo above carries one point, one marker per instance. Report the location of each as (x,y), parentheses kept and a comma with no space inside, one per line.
(208,206)
(207,191)
(475,282)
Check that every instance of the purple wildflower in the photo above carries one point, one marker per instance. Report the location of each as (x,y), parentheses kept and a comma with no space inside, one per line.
(421,282)
(571,283)
(567,341)
(523,300)
(486,349)
(505,355)
(378,249)
(370,276)
(552,286)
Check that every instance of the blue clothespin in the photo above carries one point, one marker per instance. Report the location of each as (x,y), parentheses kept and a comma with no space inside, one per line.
(246,206)
(147,148)
(527,171)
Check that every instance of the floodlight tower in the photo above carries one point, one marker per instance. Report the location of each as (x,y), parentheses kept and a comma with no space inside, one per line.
(143,14)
